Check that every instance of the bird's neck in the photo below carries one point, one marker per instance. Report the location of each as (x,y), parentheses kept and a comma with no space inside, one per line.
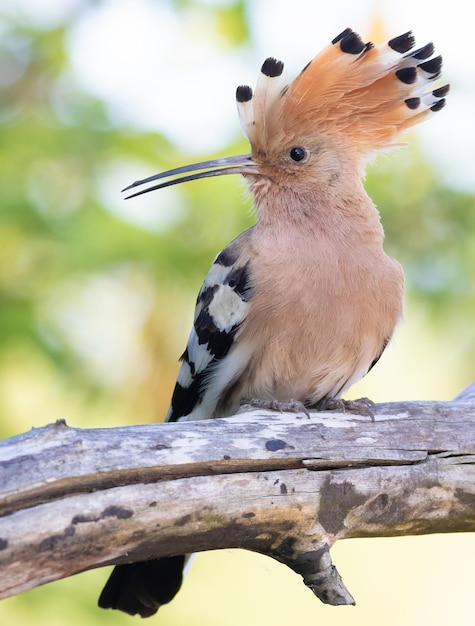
(336,213)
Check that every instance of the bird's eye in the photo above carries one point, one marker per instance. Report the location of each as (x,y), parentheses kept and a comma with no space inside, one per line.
(298,154)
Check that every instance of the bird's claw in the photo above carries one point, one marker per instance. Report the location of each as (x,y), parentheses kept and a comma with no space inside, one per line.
(291,406)
(361,406)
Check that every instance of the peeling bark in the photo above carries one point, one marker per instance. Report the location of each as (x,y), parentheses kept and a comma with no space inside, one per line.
(280,484)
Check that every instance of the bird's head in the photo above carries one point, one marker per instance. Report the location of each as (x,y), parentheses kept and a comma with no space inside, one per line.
(352,100)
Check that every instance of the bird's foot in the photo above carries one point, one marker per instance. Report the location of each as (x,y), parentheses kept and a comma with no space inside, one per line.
(292,406)
(361,406)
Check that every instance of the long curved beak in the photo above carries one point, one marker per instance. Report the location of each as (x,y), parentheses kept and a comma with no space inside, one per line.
(241,164)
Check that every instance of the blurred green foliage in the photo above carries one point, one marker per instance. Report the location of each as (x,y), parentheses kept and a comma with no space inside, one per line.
(56,234)
(62,247)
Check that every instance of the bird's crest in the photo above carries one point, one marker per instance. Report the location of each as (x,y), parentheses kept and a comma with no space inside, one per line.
(364,93)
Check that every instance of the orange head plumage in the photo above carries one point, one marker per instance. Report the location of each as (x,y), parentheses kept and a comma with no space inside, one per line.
(351,100)
(364,95)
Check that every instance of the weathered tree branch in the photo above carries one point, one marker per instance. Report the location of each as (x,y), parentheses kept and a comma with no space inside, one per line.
(283,485)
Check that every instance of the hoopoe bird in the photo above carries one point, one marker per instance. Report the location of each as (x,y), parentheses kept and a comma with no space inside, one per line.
(301,305)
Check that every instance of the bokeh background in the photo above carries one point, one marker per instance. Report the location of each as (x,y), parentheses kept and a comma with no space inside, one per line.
(97,294)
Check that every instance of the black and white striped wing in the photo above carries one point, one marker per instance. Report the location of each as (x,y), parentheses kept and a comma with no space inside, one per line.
(208,367)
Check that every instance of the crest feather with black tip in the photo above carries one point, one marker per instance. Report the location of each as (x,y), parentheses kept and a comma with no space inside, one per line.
(255,108)
(363,93)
